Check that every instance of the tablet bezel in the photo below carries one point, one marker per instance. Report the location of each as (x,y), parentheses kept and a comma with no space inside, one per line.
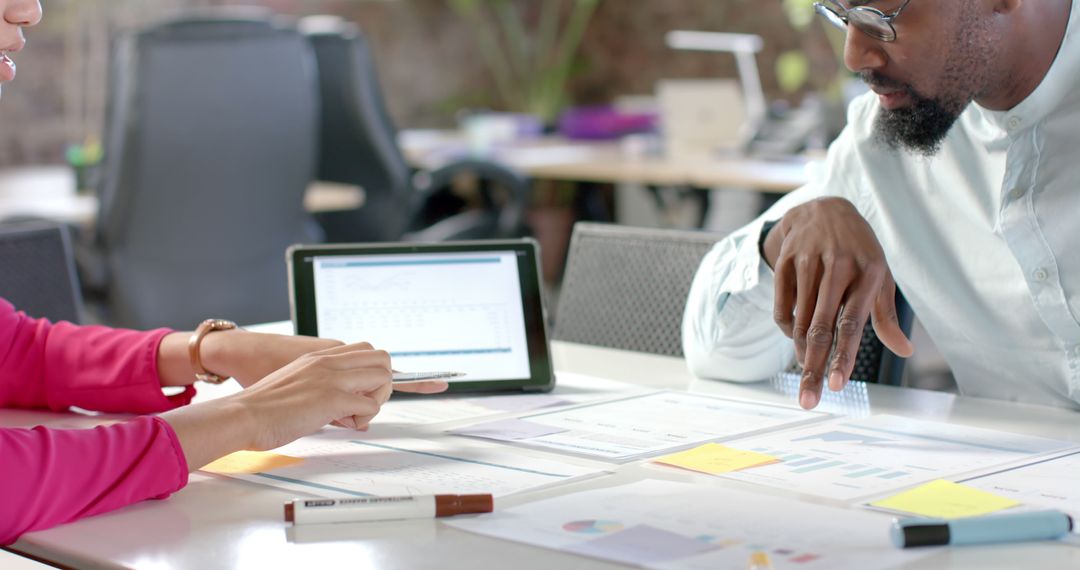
(542,375)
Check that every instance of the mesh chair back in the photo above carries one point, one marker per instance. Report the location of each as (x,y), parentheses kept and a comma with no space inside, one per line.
(211,146)
(874,362)
(37,271)
(626,287)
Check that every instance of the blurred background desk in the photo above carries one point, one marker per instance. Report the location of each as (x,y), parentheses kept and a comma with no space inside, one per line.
(225,523)
(558,158)
(50,192)
(616,181)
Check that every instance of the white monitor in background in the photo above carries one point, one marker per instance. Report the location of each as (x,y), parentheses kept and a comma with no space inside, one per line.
(702,117)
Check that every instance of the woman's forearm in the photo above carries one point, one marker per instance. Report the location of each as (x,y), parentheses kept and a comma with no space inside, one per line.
(209,430)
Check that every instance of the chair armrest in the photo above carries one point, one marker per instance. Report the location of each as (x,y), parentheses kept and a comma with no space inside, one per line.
(511,215)
(92,270)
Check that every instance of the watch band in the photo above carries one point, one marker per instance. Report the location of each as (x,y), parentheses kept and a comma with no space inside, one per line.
(195,344)
(765,229)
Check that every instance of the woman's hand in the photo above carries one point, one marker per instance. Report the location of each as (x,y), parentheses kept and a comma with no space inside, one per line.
(348,382)
(249,357)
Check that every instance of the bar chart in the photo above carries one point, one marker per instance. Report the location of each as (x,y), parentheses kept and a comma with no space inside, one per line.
(848,459)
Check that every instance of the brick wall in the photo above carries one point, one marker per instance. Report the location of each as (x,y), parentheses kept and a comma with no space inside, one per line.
(426,56)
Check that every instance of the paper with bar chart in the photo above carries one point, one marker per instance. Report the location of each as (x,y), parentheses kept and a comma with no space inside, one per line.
(676,526)
(847,459)
(638,426)
(1053,483)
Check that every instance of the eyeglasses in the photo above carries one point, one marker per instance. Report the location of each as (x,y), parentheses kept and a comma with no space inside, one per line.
(870,21)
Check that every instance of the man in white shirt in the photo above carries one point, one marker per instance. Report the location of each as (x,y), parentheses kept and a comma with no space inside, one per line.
(959,177)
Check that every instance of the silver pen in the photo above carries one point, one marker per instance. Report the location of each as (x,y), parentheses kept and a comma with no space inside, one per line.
(418,376)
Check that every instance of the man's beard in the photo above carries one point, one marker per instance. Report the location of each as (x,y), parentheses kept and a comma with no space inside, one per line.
(920,127)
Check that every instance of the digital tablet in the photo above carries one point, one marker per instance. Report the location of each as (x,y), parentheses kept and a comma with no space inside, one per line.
(472,307)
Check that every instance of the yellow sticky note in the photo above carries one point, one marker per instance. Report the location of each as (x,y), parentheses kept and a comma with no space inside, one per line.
(251,462)
(946,500)
(716,458)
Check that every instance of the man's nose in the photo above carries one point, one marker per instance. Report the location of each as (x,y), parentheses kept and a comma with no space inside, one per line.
(861,52)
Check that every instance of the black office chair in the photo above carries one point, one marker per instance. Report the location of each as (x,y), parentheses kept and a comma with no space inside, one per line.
(37,271)
(358,146)
(211,138)
(626,288)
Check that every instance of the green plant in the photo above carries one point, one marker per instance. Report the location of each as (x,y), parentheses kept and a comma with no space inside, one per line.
(530,59)
(793,67)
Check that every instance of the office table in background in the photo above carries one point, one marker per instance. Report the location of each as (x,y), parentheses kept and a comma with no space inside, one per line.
(49,192)
(557,158)
(222,523)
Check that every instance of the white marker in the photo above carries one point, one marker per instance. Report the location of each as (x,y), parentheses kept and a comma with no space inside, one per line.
(314,511)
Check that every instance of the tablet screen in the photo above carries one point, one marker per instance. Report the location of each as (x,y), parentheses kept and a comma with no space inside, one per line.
(453,307)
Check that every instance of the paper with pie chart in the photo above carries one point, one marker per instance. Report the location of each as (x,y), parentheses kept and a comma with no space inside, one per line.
(851,459)
(673,525)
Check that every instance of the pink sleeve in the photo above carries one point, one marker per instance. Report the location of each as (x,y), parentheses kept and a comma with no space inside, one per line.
(50,476)
(93,367)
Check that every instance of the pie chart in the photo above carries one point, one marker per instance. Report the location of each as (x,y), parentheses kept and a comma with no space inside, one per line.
(592,527)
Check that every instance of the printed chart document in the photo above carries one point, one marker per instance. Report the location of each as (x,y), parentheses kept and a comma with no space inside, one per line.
(336,463)
(625,429)
(570,389)
(670,525)
(1048,484)
(847,459)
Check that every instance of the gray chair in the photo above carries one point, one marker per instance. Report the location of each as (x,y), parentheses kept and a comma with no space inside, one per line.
(211,141)
(358,146)
(626,288)
(38,271)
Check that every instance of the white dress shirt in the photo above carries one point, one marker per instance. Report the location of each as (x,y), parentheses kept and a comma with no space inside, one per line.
(983,239)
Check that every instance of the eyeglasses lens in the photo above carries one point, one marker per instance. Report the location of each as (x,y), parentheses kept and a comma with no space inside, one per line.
(871,23)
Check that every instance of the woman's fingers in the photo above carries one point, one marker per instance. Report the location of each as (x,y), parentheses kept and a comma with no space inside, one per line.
(427,387)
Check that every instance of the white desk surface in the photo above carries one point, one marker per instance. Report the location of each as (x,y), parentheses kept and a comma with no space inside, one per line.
(225,523)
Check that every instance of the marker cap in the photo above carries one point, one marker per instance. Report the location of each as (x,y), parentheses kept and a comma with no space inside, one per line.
(909,535)
(450,505)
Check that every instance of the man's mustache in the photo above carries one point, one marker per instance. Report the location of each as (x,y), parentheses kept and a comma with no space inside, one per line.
(875,79)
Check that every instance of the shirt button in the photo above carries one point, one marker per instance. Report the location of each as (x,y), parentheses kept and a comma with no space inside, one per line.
(1013,123)
(1040,274)
(1017,193)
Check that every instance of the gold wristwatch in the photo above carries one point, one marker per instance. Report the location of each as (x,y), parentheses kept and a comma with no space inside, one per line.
(195,343)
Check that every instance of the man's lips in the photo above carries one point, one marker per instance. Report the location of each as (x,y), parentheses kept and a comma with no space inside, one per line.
(891,98)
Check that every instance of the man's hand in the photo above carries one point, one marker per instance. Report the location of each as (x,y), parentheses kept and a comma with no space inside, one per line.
(831,275)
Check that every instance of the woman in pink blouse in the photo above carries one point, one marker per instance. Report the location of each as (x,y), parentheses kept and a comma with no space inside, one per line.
(293,387)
